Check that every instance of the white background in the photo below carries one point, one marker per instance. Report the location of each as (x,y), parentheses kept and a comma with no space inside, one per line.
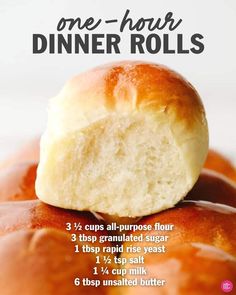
(27,81)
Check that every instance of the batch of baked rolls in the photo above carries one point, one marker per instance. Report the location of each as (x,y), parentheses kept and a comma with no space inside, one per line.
(125,142)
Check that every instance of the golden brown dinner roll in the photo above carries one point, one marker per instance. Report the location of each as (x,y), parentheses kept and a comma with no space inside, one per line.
(214,187)
(191,222)
(126,139)
(35,215)
(219,163)
(44,262)
(29,152)
(195,269)
(17,182)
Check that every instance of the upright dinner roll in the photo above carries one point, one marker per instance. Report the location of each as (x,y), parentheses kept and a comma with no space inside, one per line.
(126,139)
(44,262)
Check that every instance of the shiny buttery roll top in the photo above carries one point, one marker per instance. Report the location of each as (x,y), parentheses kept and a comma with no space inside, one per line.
(186,269)
(44,262)
(126,139)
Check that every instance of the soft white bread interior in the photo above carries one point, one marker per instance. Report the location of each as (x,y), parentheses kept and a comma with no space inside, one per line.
(126,139)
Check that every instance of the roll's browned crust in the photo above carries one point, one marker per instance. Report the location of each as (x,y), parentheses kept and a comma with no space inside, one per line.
(35,214)
(199,253)
(195,222)
(218,162)
(213,187)
(192,268)
(156,88)
(44,262)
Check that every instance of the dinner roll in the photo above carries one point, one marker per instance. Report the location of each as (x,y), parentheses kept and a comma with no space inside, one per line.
(126,139)
(17,182)
(213,187)
(195,269)
(219,163)
(44,262)
(192,222)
